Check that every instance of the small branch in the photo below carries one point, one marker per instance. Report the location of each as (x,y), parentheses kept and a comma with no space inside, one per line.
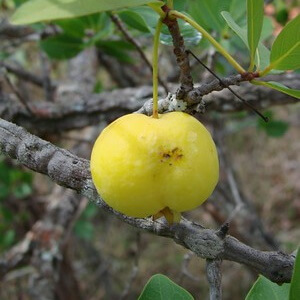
(18,94)
(186,81)
(214,277)
(47,85)
(24,75)
(135,268)
(184,268)
(246,76)
(137,46)
(18,255)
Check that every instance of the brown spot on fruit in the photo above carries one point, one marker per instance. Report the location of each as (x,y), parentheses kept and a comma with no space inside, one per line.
(174,154)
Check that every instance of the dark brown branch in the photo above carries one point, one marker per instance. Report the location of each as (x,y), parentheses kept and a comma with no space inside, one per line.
(70,171)
(186,80)
(137,46)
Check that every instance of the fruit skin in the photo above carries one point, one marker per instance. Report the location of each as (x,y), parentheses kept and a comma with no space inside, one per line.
(141,165)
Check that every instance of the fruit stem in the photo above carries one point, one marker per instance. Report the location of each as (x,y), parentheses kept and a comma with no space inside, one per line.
(155,68)
(219,47)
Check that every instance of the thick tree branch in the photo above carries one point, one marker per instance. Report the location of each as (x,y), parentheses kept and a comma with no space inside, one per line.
(70,171)
(77,109)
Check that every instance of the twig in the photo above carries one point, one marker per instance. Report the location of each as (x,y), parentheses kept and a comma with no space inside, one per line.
(20,97)
(136,44)
(184,268)
(186,80)
(47,85)
(135,268)
(229,88)
(214,277)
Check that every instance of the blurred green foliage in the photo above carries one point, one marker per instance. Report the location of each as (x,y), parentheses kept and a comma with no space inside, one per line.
(84,227)
(14,184)
(273,128)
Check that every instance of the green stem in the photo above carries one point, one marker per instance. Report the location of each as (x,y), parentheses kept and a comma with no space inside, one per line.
(222,50)
(155,68)
(266,71)
(251,66)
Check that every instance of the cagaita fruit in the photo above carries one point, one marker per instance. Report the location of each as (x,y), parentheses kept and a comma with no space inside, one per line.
(144,166)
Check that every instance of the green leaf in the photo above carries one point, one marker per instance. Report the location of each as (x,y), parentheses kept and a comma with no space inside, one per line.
(84,229)
(285,52)
(62,46)
(90,211)
(134,20)
(279,87)
(264,289)
(273,128)
(262,57)
(295,283)
(207,13)
(22,190)
(241,32)
(46,10)
(91,27)
(117,49)
(160,287)
(237,10)
(19,2)
(149,15)
(7,238)
(276,129)
(255,15)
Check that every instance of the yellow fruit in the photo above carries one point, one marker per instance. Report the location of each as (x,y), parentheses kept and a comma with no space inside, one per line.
(142,166)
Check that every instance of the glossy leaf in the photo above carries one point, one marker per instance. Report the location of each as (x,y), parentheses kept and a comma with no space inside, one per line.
(237,10)
(254,25)
(241,32)
(207,13)
(149,15)
(191,36)
(279,87)
(262,57)
(295,283)
(285,52)
(264,289)
(134,20)
(160,287)
(62,46)
(78,27)
(118,49)
(46,10)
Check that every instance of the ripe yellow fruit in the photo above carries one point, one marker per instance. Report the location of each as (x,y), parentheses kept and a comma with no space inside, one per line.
(142,166)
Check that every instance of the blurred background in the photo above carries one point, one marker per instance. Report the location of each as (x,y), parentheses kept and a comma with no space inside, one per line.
(65,81)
